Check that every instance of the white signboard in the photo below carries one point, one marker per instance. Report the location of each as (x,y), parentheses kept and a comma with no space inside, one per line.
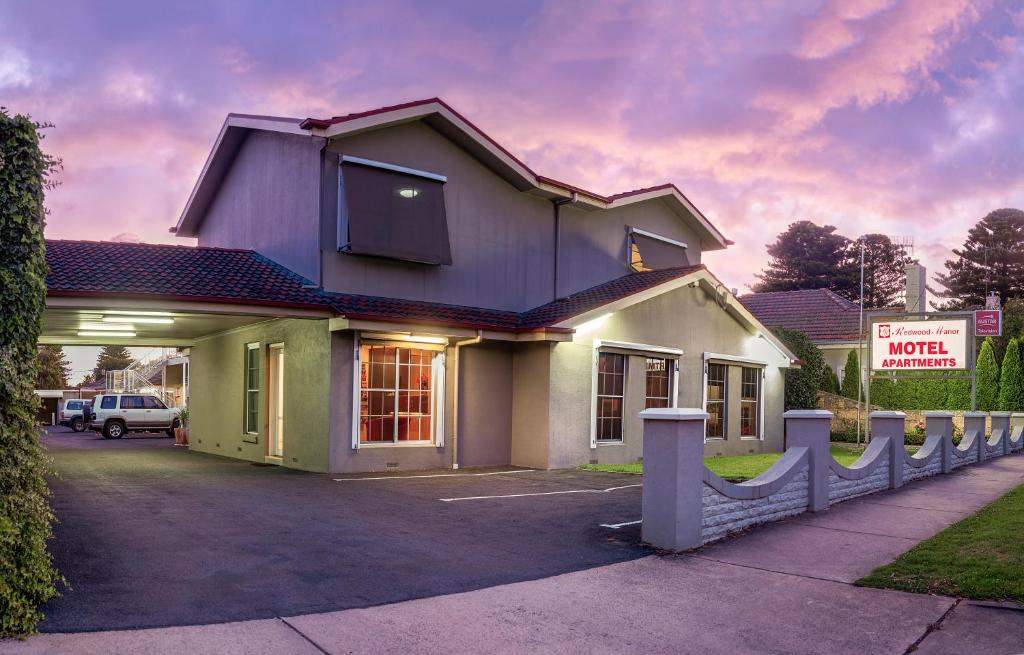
(919,345)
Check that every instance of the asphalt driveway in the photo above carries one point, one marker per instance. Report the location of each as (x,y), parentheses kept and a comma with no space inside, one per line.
(150,535)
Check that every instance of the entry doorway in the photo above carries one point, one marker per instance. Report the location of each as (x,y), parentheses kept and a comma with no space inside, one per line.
(275,401)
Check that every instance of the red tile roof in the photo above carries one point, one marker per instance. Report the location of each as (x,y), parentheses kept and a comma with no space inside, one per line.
(89,268)
(819,313)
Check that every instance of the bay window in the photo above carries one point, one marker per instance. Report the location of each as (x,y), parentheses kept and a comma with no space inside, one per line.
(718,375)
(611,387)
(750,397)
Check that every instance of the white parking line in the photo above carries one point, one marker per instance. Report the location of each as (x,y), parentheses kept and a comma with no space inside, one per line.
(542,493)
(436,475)
(616,526)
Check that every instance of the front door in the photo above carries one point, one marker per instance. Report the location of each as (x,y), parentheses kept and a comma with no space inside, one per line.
(275,399)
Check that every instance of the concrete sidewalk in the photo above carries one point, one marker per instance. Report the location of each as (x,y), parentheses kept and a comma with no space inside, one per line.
(783,588)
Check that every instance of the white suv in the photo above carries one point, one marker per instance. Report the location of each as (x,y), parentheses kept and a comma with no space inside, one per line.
(116,414)
(73,413)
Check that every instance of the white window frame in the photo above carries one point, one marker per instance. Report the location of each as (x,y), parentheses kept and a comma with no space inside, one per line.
(737,360)
(759,436)
(437,367)
(629,349)
(725,401)
(249,348)
(673,379)
(594,441)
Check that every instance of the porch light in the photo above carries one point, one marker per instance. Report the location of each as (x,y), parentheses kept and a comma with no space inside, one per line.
(593,325)
(92,333)
(100,327)
(408,192)
(138,319)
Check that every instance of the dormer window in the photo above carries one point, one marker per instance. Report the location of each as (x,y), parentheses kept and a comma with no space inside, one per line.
(650,252)
(386,210)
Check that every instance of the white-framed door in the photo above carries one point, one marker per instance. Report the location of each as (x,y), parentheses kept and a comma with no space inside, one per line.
(275,400)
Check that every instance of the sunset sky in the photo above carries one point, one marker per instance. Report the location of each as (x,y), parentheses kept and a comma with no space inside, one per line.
(905,118)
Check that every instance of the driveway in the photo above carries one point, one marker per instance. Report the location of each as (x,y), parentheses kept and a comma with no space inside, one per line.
(150,535)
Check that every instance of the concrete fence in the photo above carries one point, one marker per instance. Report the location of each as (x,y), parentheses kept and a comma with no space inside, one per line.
(685,505)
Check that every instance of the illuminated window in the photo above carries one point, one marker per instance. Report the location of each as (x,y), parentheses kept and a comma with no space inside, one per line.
(611,386)
(659,383)
(396,395)
(716,393)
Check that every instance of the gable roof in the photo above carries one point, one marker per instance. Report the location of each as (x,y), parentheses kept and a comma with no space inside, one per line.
(440,116)
(244,277)
(819,313)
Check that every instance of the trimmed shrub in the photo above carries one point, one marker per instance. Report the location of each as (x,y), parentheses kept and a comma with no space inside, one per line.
(830,381)
(1011,379)
(851,376)
(987,373)
(802,383)
(27,576)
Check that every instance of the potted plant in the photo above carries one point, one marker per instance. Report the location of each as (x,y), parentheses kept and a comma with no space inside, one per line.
(181,432)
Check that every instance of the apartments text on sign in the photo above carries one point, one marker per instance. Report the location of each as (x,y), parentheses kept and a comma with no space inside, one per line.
(919,345)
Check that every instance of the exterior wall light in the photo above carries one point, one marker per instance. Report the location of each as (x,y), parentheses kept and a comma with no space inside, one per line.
(135,313)
(408,192)
(100,327)
(90,333)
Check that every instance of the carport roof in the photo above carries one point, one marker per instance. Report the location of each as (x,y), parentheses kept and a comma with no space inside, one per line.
(153,271)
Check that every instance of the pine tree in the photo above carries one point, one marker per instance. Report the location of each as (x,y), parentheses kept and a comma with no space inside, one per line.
(987,378)
(808,256)
(802,384)
(111,358)
(1011,379)
(991,259)
(851,376)
(829,381)
(54,368)
(885,275)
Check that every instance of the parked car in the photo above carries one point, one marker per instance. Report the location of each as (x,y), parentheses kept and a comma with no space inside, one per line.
(117,414)
(73,414)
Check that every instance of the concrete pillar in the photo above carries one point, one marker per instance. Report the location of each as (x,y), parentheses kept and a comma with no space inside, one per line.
(941,423)
(1016,421)
(893,426)
(809,428)
(976,421)
(672,508)
(1001,421)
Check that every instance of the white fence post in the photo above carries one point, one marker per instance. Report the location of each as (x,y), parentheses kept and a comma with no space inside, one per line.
(892,425)
(810,428)
(673,477)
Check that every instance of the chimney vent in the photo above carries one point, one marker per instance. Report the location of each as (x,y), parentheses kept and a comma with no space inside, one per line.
(917,290)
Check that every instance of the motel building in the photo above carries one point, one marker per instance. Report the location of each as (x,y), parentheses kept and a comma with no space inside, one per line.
(394,290)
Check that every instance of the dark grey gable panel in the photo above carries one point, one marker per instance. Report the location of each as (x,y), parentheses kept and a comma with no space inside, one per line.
(389,213)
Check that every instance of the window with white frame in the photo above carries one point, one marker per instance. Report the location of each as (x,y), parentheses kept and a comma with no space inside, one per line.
(399,388)
(252,388)
(718,376)
(611,387)
(750,400)
(659,383)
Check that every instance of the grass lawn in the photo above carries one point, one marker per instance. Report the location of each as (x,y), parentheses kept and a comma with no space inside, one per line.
(981,557)
(739,467)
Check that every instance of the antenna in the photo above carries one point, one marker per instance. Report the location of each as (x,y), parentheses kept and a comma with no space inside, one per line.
(904,241)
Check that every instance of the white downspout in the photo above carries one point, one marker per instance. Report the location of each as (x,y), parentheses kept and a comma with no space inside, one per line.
(456,392)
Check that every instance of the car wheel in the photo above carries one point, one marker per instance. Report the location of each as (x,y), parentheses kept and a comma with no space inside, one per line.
(175,424)
(113,430)
(78,425)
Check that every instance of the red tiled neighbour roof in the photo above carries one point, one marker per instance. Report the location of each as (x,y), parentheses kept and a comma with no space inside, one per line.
(91,268)
(819,313)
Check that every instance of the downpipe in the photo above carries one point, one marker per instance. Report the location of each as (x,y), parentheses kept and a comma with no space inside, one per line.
(456,384)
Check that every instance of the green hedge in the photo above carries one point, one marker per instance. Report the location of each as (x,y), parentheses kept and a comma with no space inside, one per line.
(27,575)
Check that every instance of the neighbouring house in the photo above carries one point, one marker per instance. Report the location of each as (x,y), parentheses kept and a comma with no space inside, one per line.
(394,290)
(830,321)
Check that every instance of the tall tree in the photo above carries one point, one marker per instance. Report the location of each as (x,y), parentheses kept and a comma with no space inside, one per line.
(1011,379)
(987,383)
(54,368)
(27,576)
(808,256)
(111,358)
(991,259)
(885,275)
